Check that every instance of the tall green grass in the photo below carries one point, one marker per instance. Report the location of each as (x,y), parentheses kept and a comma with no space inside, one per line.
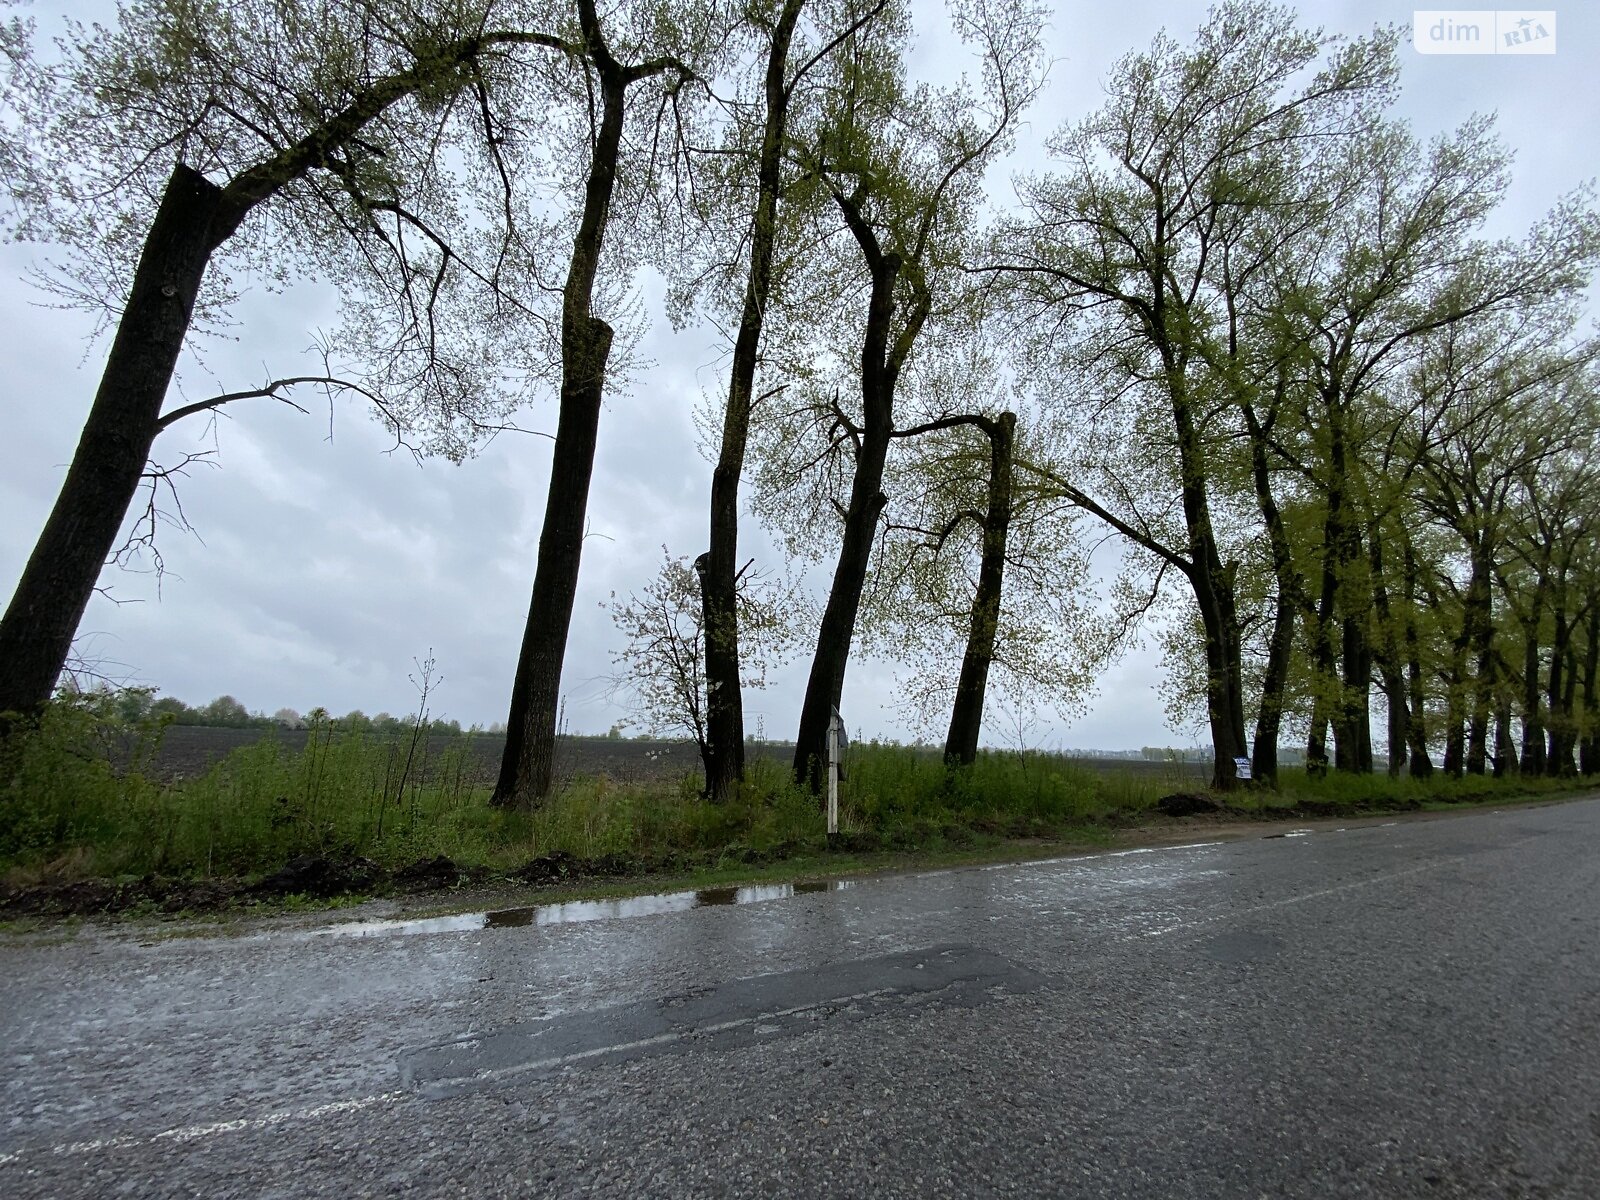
(910,792)
(77,798)
(344,793)
(1356,792)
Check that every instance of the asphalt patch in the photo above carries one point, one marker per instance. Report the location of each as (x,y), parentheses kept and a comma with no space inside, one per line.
(1242,946)
(724,1016)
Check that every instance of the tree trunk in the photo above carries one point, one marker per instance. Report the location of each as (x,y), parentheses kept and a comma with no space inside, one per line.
(1532,759)
(879,372)
(1323,678)
(1329,703)
(1417,726)
(1454,739)
(527,766)
(1455,719)
(1478,734)
(1533,751)
(724,757)
(1505,746)
(1569,732)
(1421,762)
(966,716)
(1589,753)
(1213,584)
(1559,759)
(1224,702)
(1280,645)
(1224,681)
(1387,656)
(1455,744)
(81,533)
(1269,716)
(1324,674)
(1353,728)
(1480,607)
(1399,731)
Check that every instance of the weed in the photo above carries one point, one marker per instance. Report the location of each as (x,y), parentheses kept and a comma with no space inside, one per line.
(76,802)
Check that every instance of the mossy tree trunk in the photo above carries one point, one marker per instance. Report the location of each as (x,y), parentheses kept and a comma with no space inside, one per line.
(718,568)
(966,714)
(81,533)
(882,358)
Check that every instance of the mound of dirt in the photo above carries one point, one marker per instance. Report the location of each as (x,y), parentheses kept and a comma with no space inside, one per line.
(93,897)
(857,841)
(548,868)
(430,874)
(314,875)
(1187,804)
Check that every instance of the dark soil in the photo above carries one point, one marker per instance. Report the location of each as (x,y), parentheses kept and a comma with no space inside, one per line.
(1187,804)
(309,876)
(561,867)
(189,750)
(91,897)
(434,875)
(324,878)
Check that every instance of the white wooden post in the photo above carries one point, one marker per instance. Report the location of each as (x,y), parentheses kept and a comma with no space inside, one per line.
(833,777)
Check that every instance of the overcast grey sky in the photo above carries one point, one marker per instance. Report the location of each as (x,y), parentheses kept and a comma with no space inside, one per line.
(323,567)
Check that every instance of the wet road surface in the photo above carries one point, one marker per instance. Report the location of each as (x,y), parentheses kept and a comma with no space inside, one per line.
(1403,1009)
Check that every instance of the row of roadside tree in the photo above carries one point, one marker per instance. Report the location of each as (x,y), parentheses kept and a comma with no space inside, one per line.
(1243,335)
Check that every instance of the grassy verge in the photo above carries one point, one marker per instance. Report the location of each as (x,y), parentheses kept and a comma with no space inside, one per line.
(350,813)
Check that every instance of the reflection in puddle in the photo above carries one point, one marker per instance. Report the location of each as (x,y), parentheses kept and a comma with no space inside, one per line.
(586,910)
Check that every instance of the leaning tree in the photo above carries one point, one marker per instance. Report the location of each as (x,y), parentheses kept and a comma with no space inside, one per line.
(1117,250)
(899,167)
(742,251)
(188,149)
(637,48)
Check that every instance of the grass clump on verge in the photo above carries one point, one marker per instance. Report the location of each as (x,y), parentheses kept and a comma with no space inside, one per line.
(81,799)
(909,795)
(1342,792)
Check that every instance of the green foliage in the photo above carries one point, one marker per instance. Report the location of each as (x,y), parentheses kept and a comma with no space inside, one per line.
(60,790)
(81,782)
(79,799)
(910,791)
(1348,792)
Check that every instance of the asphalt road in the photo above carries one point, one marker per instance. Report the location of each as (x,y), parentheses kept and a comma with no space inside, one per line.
(1404,1009)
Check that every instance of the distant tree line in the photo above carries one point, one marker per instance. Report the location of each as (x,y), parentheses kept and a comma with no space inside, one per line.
(141,704)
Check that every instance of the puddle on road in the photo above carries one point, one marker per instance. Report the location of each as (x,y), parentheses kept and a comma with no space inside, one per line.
(574,911)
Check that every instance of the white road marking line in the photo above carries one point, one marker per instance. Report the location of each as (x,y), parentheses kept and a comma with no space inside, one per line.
(191,1133)
(188,1133)
(1074,858)
(1287,901)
